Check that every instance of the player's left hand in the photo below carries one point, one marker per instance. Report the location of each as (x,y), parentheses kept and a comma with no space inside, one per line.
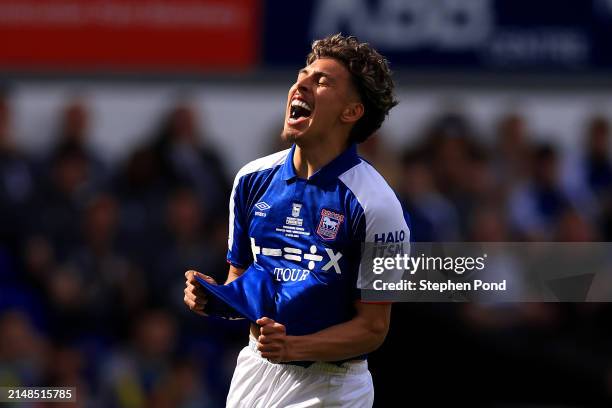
(272,341)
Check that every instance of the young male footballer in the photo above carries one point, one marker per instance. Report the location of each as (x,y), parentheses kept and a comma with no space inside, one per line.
(298,219)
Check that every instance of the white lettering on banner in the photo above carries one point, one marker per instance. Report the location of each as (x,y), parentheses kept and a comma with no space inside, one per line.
(407,24)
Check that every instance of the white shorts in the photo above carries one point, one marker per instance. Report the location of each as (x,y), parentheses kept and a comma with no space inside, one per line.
(258,383)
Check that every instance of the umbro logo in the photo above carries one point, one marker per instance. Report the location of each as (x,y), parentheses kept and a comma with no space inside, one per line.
(262,206)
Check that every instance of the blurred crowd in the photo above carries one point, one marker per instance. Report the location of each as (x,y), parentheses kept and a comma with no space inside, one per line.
(92,256)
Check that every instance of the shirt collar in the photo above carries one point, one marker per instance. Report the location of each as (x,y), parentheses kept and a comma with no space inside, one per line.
(330,171)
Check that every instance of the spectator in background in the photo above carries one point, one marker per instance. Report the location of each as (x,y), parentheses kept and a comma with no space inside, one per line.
(66,368)
(489,224)
(447,145)
(459,164)
(62,194)
(108,287)
(432,216)
(376,151)
(145,373)
(16,183)
(477,187)
(22,351)
(536,207)
(192,242)
(142,199)
(512,151)
(597,170)
(73,134)
(184,160)
(597,163)
(573,227)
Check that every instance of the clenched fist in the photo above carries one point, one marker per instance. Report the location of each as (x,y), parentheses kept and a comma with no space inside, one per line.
(195,297)
(273,340)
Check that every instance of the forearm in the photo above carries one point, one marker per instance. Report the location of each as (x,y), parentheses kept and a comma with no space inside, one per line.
(343,341)
(233,274)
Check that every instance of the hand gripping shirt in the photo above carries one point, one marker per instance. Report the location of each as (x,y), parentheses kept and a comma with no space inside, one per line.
(300,241)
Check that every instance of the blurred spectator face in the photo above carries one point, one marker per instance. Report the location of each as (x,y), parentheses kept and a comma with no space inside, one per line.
(512,134)
(479,177)
(75,123)
(156,334)
(182,387)
(66,366)
(39,256)
(183,125)
(546,166)
(451,161)
(599,137)
(488,226)
(18,340)
(417,180)
(66,288)
(185,215)
(101,219)
(573,228)
(71,171)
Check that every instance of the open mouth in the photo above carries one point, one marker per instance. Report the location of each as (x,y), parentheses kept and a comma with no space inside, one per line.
(299,109)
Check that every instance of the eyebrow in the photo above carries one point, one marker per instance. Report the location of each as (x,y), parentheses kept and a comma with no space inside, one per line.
(316,73)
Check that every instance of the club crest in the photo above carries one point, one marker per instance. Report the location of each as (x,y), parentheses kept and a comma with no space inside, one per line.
(295,210)
(329,224)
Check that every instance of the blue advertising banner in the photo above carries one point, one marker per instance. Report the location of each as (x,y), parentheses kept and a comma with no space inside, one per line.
(546,35)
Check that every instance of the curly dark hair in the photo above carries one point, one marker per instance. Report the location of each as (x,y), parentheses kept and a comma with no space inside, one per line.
(371,77)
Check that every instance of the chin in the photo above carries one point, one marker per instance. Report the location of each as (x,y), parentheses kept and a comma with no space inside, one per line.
(291,135)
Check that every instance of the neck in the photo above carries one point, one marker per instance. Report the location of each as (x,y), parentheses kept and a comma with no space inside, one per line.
(307,160)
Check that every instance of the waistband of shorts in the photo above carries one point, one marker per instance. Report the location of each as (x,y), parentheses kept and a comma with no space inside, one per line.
(347,367)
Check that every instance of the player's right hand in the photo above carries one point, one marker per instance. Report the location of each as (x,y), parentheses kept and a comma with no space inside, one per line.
(195,297)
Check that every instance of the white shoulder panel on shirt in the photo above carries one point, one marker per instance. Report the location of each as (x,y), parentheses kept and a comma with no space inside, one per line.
(262,163)
(382,210)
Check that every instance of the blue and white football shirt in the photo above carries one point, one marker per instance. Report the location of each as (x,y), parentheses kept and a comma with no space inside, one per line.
(300,240)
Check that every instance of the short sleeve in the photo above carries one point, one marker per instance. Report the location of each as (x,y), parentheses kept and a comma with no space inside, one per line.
(386,235)
(383,230)
(239,248)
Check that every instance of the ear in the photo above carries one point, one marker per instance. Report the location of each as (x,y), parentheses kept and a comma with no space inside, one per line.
(352,113)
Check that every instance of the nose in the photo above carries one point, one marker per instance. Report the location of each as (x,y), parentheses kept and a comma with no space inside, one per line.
(303,84)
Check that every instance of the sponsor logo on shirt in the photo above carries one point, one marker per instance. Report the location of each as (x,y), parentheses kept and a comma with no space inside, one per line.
(391,236)
(290,274)
(262,206)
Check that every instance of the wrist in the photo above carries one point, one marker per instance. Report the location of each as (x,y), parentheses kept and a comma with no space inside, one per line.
(292,348)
